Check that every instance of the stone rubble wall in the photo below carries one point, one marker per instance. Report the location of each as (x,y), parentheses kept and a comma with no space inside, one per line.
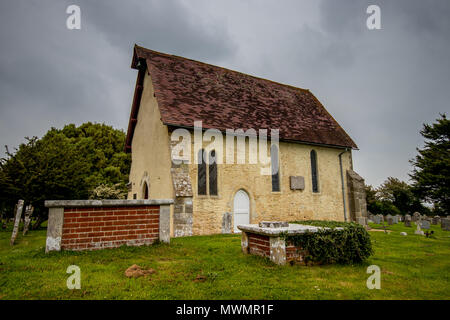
(357,198)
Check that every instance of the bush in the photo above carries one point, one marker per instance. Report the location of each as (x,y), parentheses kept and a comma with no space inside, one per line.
(103,191)
(347,245)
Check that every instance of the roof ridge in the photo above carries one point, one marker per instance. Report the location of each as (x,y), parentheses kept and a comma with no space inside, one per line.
(223,68)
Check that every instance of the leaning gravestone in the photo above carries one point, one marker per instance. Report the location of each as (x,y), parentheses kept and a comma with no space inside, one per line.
(425,224)
(445,224)
(17,221)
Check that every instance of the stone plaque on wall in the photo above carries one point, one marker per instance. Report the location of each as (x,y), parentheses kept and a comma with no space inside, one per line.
(297,182)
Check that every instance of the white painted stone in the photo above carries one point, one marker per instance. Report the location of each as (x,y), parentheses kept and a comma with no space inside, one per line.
(278,250)
(53,244)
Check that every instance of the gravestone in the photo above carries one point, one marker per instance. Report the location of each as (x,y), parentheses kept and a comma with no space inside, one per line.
(425,224)
(226,222)
(362,221)
(407,223)
(19,209)
(418,230)
(377,219)
(387,218)
(28,212)
(407,217)
(390,221)
(416,216)
(445,224)
(396,218)
(436,220)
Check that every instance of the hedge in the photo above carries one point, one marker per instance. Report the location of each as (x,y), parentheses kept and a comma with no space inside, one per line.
(347,245)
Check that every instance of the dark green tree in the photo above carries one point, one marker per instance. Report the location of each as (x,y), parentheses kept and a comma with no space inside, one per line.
(431,173)
(393,196)
(65,163)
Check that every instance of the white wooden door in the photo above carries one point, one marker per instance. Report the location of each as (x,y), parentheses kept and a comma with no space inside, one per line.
(241,209)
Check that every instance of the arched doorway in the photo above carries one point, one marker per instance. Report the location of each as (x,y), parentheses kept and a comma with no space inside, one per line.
(241,209)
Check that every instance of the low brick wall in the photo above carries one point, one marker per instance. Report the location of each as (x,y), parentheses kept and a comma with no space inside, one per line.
(259,244)
(100,224)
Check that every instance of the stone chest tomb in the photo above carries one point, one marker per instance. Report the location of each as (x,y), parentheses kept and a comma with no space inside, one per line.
(266,239)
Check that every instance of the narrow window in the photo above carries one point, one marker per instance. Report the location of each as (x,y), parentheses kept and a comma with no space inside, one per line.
(275,168)
(145,190)
(315,185)
(212,173)
(201,179)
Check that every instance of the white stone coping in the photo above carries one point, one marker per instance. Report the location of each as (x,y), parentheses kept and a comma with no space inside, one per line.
(293,229)
(105,203)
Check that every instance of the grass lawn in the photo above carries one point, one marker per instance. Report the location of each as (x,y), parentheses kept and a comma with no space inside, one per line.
(413,267)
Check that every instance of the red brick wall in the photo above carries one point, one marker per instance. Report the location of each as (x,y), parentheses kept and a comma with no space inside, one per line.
(294,253)
(91,228)
(258,244)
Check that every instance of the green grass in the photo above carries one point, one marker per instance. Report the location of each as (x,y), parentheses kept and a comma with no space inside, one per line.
(413,267)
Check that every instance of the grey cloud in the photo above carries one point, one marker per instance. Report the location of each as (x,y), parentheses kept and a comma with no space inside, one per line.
(51,76)
(379,85)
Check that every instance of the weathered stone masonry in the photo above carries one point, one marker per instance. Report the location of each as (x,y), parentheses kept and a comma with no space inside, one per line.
(99,224)
(357,198)
(183,208)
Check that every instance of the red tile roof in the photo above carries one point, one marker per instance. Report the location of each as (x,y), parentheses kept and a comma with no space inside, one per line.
(188,90)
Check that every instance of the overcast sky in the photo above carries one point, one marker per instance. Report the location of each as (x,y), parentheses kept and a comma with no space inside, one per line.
(380,85)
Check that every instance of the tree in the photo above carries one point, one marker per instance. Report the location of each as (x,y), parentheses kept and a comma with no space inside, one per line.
(431,173)
(400,194)
(393,196)
(65,163)
(371,199)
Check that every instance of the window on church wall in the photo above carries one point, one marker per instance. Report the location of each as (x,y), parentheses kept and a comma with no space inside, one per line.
(201,175)
(275,167)
(314,176)
(212,173)
(145,191)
